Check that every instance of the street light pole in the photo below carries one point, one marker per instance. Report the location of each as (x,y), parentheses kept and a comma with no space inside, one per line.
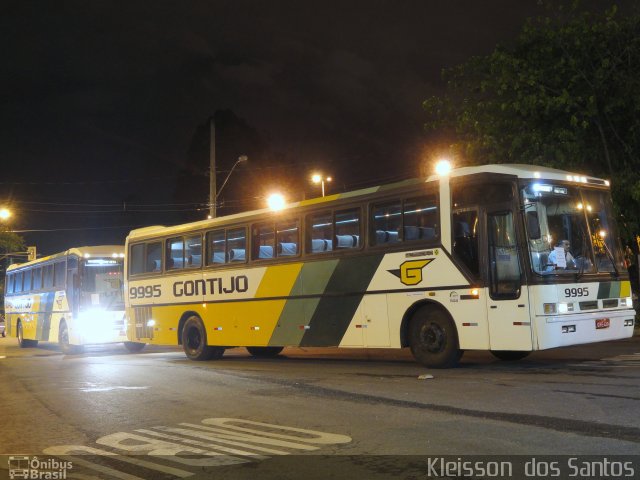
(318,178)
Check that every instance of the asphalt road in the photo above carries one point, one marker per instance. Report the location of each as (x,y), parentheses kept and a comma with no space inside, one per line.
(311,413)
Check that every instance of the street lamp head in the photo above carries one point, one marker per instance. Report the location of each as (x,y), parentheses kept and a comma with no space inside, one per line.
(443,167)
(316,178)
(5,214)
(243,158)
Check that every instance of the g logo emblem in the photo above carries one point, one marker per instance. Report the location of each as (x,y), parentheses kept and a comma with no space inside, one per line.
(410,272)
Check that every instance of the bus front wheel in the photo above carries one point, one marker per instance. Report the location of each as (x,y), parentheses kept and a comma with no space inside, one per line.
(194,341)
(23,342)
(267,352)
(63,340)
(509,355)
(134,347)
(433,338)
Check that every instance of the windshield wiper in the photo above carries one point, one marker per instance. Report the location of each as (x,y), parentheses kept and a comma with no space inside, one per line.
(584,256)
(610,255)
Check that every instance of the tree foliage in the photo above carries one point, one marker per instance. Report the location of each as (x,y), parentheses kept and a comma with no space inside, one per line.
(565,95)
(10,242)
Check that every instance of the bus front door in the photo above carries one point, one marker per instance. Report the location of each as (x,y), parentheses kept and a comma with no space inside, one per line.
(508,299)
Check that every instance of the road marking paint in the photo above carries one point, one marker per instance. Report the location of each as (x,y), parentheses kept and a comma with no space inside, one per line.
(226,439)
(217,437)
(232,451)
(63,451)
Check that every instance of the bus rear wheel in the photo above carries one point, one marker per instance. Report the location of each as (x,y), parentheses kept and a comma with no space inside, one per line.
(509,355)
(23,342)
(433,338)
(194,341)
(267,352)
(134,347)
(63,340)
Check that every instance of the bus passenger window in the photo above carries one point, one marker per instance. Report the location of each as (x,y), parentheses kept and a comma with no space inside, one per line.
(320,227)
(420,217)
(287,238)
(60,274)
(348,228)
(153,261)
(193,251)
(386,221)
(48,276)
(26,283)
(175,253)
(465,239)
(10,281)
(36,283)
(17,287)
(236,245)
(263,241)
(136,259)
(216,247)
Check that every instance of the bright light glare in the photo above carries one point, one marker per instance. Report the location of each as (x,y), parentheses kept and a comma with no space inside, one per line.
(4,213)
(602,233)
(276,201)
(316,178)
(443,167)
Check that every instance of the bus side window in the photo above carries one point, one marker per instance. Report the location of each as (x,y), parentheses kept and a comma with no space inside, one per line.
(465,239)
(386,222)
(36,283)
(59,273)
(420,218)
(10,281)
(153,257)
(175,253)
(287,238)
(263,241)
(320,232)
(237,245)
(193,251)
(136,259)
(26,282)
(48,276)
(216,247)
(348,228)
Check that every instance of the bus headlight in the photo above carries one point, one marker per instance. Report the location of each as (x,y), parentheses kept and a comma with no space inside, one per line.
(626,302)
(565,307)
(550,308)
(96,325)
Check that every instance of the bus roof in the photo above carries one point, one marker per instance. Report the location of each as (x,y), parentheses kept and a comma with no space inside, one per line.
(92,251)
(518,170)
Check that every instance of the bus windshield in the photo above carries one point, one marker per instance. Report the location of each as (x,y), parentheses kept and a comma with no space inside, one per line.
(570,230)
(101,284)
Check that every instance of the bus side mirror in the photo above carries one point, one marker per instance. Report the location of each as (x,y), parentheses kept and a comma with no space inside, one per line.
(533,226)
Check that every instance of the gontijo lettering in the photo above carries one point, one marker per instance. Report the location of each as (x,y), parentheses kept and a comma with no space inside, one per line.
(211,286)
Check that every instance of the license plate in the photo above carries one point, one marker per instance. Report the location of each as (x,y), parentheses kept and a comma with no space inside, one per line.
(602,323)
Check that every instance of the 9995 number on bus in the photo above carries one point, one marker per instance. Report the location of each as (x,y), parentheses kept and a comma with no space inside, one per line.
(148,291)
(576,292)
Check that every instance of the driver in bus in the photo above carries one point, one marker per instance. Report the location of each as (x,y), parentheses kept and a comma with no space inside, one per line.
(553,256)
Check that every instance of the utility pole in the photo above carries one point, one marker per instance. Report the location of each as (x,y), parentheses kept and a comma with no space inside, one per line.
(212,168)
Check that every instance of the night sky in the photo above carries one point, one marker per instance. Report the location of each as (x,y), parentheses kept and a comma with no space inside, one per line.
(105,105)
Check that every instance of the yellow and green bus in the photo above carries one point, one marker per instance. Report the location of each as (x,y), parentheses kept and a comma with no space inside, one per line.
(73,298)
(461,261)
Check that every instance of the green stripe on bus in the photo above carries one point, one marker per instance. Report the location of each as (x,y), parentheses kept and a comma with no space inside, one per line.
(343,294)
(603,290)
(297,313)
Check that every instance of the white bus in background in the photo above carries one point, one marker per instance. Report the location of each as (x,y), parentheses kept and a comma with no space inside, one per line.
(471,260)
(73,298)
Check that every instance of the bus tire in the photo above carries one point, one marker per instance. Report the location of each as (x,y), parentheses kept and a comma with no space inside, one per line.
(134,347)
(23,342)
(63,340)
(509,355)
(264,352)
(194,341)
(433,338)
